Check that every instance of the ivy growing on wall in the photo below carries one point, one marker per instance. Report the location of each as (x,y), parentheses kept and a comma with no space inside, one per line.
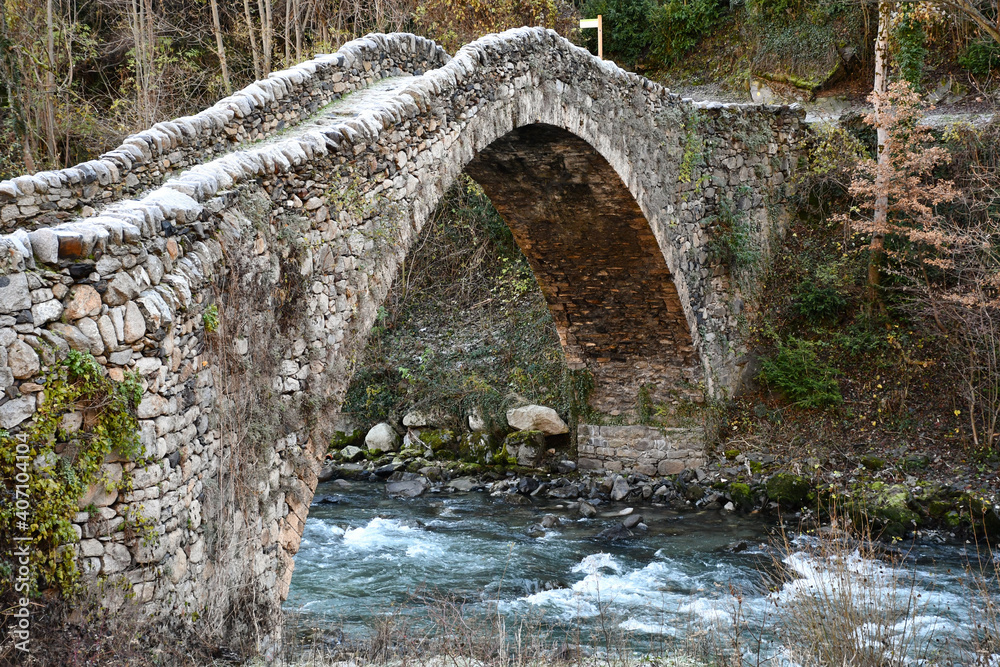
(47,468)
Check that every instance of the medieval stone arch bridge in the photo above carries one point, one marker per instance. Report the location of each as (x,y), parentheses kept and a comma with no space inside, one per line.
(236,260)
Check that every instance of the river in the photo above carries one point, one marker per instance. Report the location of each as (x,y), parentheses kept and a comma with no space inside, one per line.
(693,578)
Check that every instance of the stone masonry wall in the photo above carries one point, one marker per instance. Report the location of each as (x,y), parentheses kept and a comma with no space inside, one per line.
(259,110)
(644,449)
(294,243)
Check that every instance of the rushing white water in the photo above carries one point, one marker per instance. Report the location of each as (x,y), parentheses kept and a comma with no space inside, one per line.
(680,581)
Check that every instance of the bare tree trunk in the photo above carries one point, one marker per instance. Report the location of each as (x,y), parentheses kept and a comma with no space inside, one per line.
(254,49)
(50,84)
(288,25)
(297,10)
(267,34)
(220,48)
(881,217)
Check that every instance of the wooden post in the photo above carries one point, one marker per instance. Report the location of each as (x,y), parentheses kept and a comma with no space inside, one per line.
(600,37)
(599,24)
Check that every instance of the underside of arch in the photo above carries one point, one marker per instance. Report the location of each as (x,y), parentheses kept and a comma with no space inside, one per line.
(597,261)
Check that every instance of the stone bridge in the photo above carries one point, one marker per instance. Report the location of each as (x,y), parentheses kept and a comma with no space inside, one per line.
(236,259)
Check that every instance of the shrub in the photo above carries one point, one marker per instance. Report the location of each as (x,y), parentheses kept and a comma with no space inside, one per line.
(818,297)
(908,41)
(675,27)
(626,27)
(816,301)
(981,57)
(798,372)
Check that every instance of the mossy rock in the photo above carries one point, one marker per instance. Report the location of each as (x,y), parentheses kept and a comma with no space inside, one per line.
(350,453)
(731,454)
(788,489)
(872,463)
(984,517)
(343,439)
(940,508)
(469,469)
(741,495)
(892,509)
(916,462)
(527,448)
(439,439)
(482,448)
(410,452)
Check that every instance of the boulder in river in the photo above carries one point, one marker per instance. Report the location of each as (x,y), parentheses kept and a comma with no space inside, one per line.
(381,438)
(619,489)
(326,473)
(615,532)
(587,510)
(536,418)
(464,484)
(351,453)
(526,446)
(408,488)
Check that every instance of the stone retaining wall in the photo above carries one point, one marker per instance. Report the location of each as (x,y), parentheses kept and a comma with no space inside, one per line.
(644,449)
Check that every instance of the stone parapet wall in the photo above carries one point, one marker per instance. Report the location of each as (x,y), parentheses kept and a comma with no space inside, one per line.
(258,111)
(640,449)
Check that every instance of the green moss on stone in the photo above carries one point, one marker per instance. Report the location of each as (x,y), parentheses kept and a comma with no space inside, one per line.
(439,439)
(788,489)
(410,452)
(915,462)
(741,495)
(342,439)
(872,463)
(481,448)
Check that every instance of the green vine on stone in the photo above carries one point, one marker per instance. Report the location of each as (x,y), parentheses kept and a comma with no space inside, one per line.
(210,318)
(57,463)
(693,146)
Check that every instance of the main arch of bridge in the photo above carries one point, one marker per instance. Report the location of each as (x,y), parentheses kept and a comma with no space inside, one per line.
(595,257)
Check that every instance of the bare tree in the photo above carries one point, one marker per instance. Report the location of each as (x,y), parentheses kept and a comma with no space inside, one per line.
(220,48)
(254,48)
(881,207)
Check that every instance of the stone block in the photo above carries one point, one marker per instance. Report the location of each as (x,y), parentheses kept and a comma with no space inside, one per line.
(84,301)
(23,360)
(16,411)
(103,493)
(134,325)
(14,293)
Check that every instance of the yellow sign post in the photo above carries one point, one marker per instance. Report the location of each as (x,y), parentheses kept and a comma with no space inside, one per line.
(599,24)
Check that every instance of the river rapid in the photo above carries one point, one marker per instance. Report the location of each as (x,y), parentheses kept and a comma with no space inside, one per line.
(692,579)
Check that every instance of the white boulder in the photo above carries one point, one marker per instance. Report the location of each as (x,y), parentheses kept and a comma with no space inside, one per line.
(536,418)
(381,438)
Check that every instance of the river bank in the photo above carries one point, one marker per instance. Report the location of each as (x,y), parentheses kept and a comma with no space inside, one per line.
(900,499)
